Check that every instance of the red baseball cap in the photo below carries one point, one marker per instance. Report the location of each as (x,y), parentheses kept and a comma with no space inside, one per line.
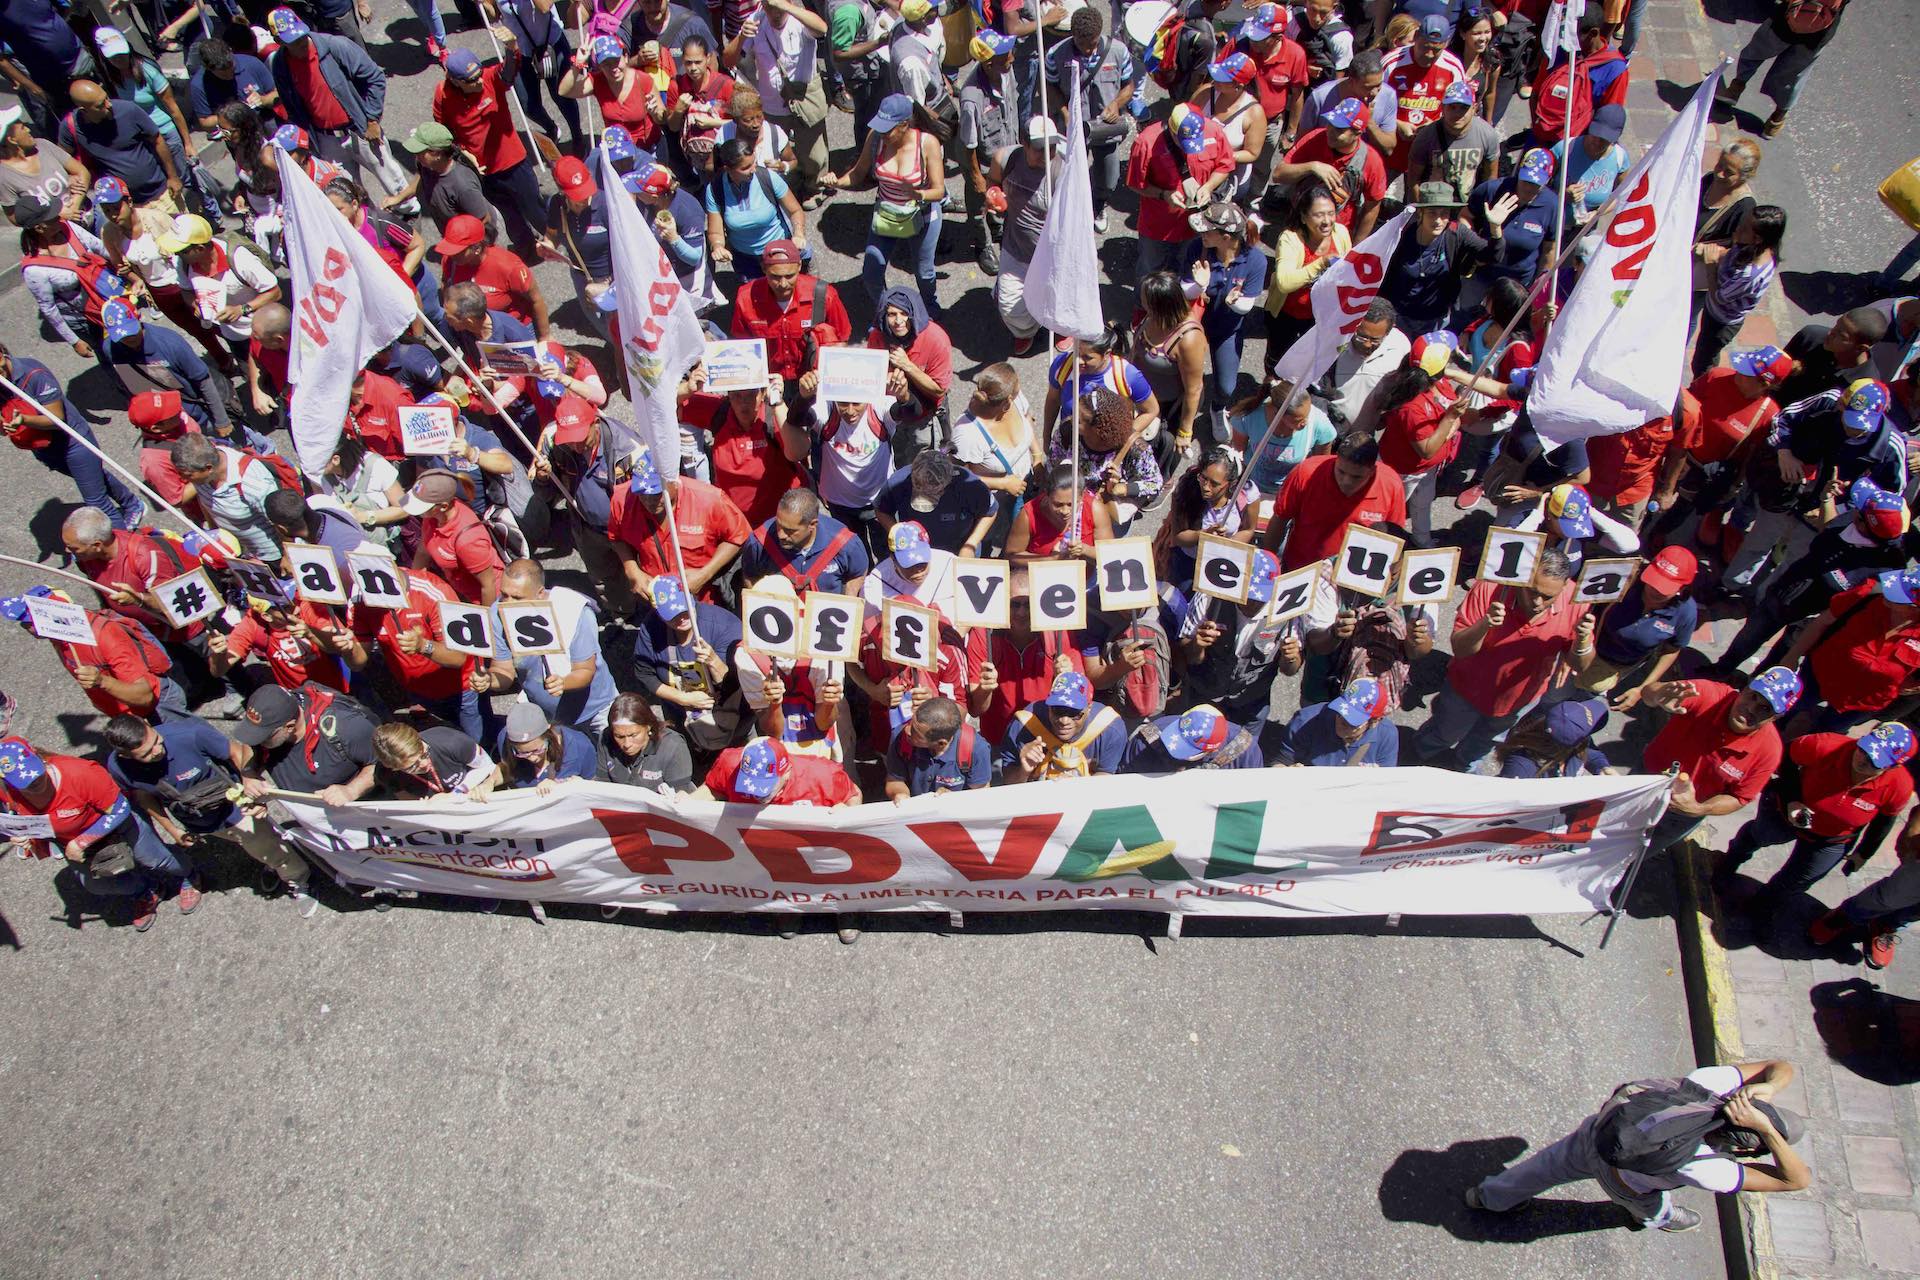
(570,174)
(571,418)
(1672,571)
(781,253)
(151,408)
(463,232)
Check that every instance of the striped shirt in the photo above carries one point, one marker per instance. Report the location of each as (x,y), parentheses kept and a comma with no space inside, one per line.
(1740,284)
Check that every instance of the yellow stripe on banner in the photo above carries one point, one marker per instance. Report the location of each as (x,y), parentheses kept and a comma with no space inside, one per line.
(1133,860)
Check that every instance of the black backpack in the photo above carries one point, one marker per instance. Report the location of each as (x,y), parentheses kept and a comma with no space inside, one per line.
(1656,1126)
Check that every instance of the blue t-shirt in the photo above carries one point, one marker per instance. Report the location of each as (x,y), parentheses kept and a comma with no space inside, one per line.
(38,37)
(194,753)
(1630,632)
(1527,230)
(38,381)
(752,220)
(412,366)
(1103,753)
(122,145)
(1582,764)
(1311,738)
(208,92)
(578,759)
(1599,173)
(925,773)
(575,706)
(1248,270)
(1129,377)
(1282,453)
(1542,468)
(849,562)
(657,655)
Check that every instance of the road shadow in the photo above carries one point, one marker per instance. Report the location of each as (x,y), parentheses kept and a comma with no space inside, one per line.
(1780,932)
(1872,1033)
(1736,10)
(1673,94)
(1426,1187)
(44,528)
(1831,292)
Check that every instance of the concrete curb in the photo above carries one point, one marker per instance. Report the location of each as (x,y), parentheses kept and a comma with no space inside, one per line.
(1746,1231)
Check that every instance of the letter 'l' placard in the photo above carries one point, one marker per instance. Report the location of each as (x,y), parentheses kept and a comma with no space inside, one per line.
(1058,591)
(1510,555)
(1427,574)
(1366,560)
(466,628)
(316,573)
(530,627)
(1604,581)
(1222,567)
(832,623)
(909,633)
(1123,570)
(770,623)
(982,593)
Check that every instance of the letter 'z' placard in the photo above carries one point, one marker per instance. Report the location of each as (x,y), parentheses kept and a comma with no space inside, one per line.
(529,627)
(1510,555)
(466,628)
(982,592)
(909,633)
(1366,559)
(1427,574)
(316,573)
(377,580)
(1222,567)
(1058,592)
(1293,593)
(1604,581)
(1123,570)
(770,623)
(188,598)
(832,627)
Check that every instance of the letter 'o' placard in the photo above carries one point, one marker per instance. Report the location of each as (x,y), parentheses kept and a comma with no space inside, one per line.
(770,623)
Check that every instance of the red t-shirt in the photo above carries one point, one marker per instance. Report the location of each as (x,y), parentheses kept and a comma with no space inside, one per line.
(749,465)
(811,781)
(1025,673)
(1864,662)
(482,122)
(1275,78)
(418,674)
(1716,416)
(292,660)
(1413,422)
(1718,761)
(138,564)
(1151,163)
(946,680)
(1418,89)
(116,655)
(1516,660)
(1827,787)
(704,517)
(83,793)
(310,86)
(1625,465)
(156,466)
(631,111)
(272,363)
(931,349)
(376,419)
(757,315)
(1044,537)
(503,277)
(461,550)
(1311,499)
(1373,170)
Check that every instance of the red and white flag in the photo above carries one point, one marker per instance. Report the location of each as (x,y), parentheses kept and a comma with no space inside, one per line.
(1341,297)
(347,304)
(1614,358)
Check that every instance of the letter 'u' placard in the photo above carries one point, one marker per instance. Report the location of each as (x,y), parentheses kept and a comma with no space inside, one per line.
(770,623)
(1510,556)
(909,633)
(1604,581)
(831,631)
(1058,591)
(1427,574)
(982,592)
(530,627)
(378,581)
(466,628)
(1366,559)
(1123,570)
(1222,568)
(316,573)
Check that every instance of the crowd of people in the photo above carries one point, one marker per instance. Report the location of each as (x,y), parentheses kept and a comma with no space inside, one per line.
(1258,151)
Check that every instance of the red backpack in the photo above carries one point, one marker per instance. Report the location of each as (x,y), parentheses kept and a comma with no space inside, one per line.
(1561,110)
(1804,17)
(95,274)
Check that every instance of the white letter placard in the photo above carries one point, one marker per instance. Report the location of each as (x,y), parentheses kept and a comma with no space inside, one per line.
(1365,561)
(1222,568)
(1057,590)
(1510,555)
(982,592)
(909,633)
(316,573)
(1427,575)
(770,623)
(377,580)
(188,598)
(530,627)
(1604,581)
(832,626)
(466,628)
(1123,570)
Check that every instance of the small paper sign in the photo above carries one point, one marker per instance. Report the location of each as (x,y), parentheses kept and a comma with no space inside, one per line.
(1123,568)
(426,430)
(1366,559)
(188,598)
(770,623)
(1510,555)
(853,375)
(1604,581)
(909,633)
(316,574)
(832,627)
(736,365)
(257,579)
(1058,592)
(1427,575)
(59,620)
(1294,593)
(1222,568)
(26,826)
(529,627)
(512,359)
(982,593)
(466,628)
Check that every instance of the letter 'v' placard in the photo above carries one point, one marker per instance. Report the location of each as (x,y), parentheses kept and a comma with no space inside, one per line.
(982,593)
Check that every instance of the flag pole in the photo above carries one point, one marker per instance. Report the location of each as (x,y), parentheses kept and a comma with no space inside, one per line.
(479,388)
(512,96)
(58,573)
(1566,163)
(1046,147)
(670,484)
(595,124)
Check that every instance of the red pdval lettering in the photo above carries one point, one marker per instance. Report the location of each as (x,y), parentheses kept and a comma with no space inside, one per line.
(873,859)
(1636,225)
(310,323)
(1019,849)
(634,837)
(1366,266)
(334,265)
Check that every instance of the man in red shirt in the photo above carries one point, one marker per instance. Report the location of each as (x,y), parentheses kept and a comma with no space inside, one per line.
(1721,410)
(121,672)
(453,542)
(1012,667)
(284,637)
(1829,789)
(1339,155)
(764,772)
(156,416)
(1279,76)
(756,458)
(472,103)
(797,314)
(373,413)
(508,285)
(712,530)
(413,643)
(1323,495)
(1508,643)
(267,360)
(1722,742)
(1171,185)
(1862,652)
(1419,74)
(127,564)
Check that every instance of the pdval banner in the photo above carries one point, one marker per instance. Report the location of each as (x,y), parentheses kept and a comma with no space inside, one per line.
(1321,842)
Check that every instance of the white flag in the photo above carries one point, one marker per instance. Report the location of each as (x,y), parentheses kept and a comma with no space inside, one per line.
(347,304)
(1560,30)
(1614,359)
(660,336)
(1063,280)
(1341,297)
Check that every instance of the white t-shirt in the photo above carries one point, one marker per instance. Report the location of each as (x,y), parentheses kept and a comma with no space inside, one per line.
(245,279)
(974,445)
(767,148)
(1708,1170)
(935,591)
(781,55)
(855,461)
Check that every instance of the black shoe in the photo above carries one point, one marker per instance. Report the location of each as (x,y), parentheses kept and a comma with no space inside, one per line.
(1680,1219)
(989,259)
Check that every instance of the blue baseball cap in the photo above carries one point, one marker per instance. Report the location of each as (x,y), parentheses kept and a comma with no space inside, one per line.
(993,42)
(1888,744)
(1435,27)
(645,477)
(619,144)
(20,765)
(119,319)
(910,545)
(1780,687)
(1901,586)
(14,608)
(1769,363)
(463,64)
(670,599)
(1262,21)
(1265,572)
(1864,406)
(109,190)
(1571,510)
(1458,94)
(1345,113)
(1188,125)
(895,110)
(1195,735)
(763,762)
(287,26)
(607,49)
(1572,722)
(291,137)
(1536,167)
(1363,701)
(1235,68)
(1070,692)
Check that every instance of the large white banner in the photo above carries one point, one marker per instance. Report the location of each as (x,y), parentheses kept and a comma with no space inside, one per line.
(1334,842)
(1340,298)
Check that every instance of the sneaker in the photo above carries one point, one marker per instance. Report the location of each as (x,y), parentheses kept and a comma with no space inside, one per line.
(188,899)
(788,931)
(228,707)
(1826,929)
(146,909)
(1773,125)
(134,512)
(1880,950)
(1679,1219)
(1024,346)
(1474,1199)
(843,101)
(989,259)
(303,902)
(1100,222)
(849,935)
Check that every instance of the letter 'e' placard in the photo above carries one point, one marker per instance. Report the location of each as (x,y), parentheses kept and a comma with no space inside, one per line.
(1427,574)
(1058,592)
(1510,556)
(909,633)
(832,627)
(466,628)
(377,581)
(1123,571)
(1366,559)
(316,573)
(1293,593)
(770,623)
(982,592)
(529,627)
(188,598)
(1604,581)
(1222,568)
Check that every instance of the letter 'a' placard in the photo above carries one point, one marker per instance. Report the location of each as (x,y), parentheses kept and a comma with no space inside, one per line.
(1604,581)
(982,592)
(378,581)
(1427,574)
(188,598)
(1510,555)
(1294,593)
(466,628)
(1057,590)
(529,627)
(831,630)
(316,573)
(1366,559)
(909,633)
(1222,568)
(1123,571)
(770,623)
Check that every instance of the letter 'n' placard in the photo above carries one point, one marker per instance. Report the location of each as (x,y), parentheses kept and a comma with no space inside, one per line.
(982,592)
(316,573)
(1123,570)
(1604,581)
(1293,593)
(378,581)
(909,633)
(1222,567)
(1366,559)
(770,623)
(466,628)
(529,627)
(1427,574)
(1058,592)
(1510,555)
(832,627)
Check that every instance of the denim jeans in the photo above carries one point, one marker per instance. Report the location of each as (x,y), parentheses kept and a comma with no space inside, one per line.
(1156,255)
(99,488)
(1790,63)
(428,11)
(882,249)
(463,712)
(1812,858)
(1457,725)
(1225,347)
